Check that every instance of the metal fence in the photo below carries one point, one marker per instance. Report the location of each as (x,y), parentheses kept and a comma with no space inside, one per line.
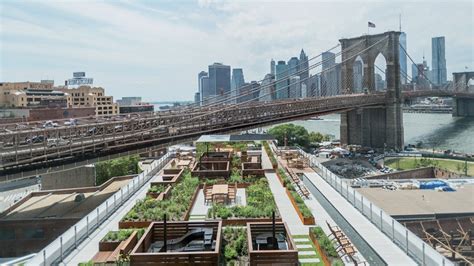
(69,240)
(415,247)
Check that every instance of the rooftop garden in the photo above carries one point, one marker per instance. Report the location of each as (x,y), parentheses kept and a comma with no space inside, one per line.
(157,189)
(299,201)
(122,234)
(174,207)
(234,245)
(260,204)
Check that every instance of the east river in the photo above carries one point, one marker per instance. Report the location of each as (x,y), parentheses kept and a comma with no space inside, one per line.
(439,131)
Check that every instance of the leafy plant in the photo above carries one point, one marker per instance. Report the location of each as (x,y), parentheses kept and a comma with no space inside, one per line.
(157,189)
(174,207)
(260,203)
(117,167)
(323,240)
(234,244)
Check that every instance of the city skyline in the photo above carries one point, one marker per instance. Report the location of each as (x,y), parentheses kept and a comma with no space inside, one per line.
(145,57)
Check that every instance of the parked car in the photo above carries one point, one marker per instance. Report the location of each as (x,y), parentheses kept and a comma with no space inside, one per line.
(71,122)
(36,139)
(58,142)
(49,124)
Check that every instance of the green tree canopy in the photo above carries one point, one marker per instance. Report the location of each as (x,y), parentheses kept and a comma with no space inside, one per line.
(296,135)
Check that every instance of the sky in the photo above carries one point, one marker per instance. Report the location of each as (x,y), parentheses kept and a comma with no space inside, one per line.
(155,49)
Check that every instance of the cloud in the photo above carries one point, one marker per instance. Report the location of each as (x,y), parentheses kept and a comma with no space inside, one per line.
(155,49)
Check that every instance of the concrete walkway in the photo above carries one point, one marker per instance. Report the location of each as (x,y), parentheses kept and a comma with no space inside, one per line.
(286,209)
(384,246)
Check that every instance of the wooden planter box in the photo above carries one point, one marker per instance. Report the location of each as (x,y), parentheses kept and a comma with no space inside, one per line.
(318,247)
(121,247)
(244,221)
(271,257)
(153,194)
(108,246)
(304,220)
(280,179)
(133,224)
(193,200)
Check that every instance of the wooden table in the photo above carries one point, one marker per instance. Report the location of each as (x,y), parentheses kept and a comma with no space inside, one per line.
(184,163)
(220,191)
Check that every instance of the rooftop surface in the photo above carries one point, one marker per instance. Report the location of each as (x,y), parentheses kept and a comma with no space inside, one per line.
(402,202)
(61,204)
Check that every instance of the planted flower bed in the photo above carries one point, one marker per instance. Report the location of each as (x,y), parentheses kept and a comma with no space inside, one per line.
(325,246)
(260,204)
(298,203)
(175,207)
(269,151)
(113,238)
(284,180)
(234,246)
(156,190)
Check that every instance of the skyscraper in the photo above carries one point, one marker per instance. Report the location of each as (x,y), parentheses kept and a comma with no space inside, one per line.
(267,89)
(236,82)
(237,78)
(201,75)
(272,67)
(329,60)
(438,61)
(330,77)
(219,79)
(205,92)
(403,58)
(293,66)
(294,88)
(358,70)
(281,79)
(313,88)
(304,70)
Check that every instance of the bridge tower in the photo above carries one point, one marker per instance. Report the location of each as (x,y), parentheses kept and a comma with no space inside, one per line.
(380,126)
(463,106)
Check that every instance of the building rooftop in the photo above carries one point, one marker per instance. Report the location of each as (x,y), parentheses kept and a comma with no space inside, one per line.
(422,202)
(64,203)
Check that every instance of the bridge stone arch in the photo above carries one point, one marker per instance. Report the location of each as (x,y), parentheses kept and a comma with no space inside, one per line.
(368,47)
(382,126)
(461,80)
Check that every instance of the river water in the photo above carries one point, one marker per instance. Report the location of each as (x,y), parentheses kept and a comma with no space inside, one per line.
(441,131)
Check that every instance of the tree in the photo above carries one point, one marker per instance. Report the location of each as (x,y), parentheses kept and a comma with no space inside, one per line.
(317,137)
(295,135)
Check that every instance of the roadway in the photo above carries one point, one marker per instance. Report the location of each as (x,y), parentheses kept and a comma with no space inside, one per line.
(99,139)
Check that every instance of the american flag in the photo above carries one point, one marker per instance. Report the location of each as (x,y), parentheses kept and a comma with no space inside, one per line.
(371,25)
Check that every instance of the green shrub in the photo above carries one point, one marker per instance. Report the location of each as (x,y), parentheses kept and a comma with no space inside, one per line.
(122,234)
(157,189)
(117,167)
(260,203)
(174,207)
(323,240)
(234,244)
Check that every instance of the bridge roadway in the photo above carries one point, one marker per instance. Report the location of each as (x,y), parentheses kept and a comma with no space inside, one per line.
(110,137)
